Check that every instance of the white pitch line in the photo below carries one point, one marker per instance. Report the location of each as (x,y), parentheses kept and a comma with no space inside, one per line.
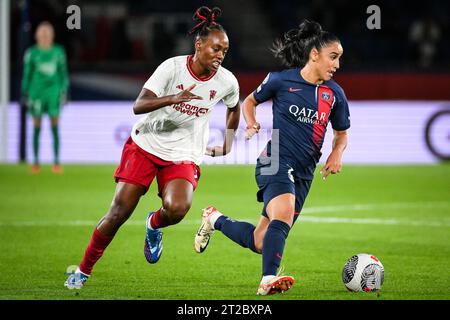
(377,206)
(304,217)
(417,223)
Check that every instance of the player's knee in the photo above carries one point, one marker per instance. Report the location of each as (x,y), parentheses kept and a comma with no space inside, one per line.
(176,210)
(286,216)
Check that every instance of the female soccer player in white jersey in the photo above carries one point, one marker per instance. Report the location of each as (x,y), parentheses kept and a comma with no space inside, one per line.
(170,141)
(305,99)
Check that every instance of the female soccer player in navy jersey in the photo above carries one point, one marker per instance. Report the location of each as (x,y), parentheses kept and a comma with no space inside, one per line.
(170,141)
(304,100)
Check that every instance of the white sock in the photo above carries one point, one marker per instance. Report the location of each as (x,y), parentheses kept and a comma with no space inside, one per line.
(79,271)
(266,279)
(213,217)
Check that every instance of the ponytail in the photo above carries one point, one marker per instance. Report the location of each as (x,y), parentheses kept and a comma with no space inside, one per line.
(294,47)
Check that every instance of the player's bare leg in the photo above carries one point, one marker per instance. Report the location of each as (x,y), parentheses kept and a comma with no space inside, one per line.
(282,208)
(260,232)
(177,197)
(125,200)
(177,200)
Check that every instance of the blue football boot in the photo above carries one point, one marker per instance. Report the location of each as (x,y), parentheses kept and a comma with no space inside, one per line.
(76,279)
(153,242)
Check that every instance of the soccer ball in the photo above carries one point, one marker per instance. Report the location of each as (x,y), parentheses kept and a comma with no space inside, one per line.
(363,272)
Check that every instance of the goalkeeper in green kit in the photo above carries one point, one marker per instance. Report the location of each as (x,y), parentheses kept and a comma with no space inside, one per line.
(44,86)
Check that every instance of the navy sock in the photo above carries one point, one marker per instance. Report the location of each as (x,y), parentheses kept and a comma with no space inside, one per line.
(238,231)
(273,246)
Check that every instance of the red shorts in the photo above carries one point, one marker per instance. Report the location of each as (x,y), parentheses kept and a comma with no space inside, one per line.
(137,166)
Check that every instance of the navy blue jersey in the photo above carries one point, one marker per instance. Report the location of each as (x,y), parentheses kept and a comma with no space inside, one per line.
(301,112)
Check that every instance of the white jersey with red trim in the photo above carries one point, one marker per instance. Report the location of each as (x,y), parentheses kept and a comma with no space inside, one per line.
(180,132)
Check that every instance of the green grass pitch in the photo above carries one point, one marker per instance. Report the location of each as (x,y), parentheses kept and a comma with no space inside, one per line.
(401,214)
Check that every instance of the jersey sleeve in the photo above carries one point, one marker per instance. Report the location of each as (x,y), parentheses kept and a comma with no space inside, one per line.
(268,88)
(62,69)
(27,71)
(160,79)
(232,98)
(340,114)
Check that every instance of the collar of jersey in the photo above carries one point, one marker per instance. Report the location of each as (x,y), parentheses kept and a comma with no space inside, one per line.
(196,77)
(307,82)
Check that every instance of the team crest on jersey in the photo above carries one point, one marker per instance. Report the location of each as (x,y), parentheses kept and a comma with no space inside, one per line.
(212,94)
(326,96)
(180,86)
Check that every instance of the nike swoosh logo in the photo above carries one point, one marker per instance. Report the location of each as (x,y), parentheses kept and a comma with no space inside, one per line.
(294,89)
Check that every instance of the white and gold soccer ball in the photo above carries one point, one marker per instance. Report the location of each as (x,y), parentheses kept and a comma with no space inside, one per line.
(363,272)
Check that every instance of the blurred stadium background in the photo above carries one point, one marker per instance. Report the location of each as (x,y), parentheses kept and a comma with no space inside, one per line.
(405,64)
(397,80)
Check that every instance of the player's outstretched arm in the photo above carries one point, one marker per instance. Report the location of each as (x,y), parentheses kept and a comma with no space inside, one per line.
(147,101)
(334,160)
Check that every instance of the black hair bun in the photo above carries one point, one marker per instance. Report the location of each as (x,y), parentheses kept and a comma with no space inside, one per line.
(308,29)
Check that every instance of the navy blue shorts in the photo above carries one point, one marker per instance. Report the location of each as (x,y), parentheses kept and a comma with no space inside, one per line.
(283,181)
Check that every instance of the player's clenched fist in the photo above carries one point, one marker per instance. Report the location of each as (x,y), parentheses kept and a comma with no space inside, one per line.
(252,130)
